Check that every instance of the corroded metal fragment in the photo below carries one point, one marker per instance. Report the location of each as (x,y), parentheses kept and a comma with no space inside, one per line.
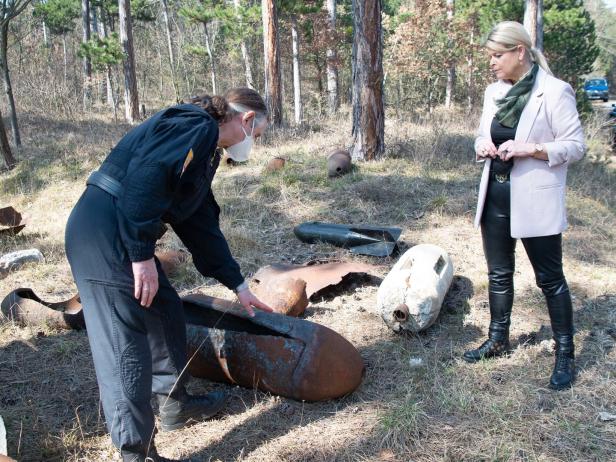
(275,164)
(286,295)
(11,220)
(171,260)
(24,307)
(338,163)
(378,241)
(318,277)
(277,354)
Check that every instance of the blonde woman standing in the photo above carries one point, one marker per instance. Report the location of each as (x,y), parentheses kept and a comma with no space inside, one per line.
(529,134)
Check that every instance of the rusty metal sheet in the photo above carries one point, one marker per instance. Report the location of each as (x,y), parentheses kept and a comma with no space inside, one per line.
(12,220)
(318,277)
(286,295)
(24,307)
(278,354)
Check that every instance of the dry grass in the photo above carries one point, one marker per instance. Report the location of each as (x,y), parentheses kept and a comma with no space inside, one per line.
(446,410)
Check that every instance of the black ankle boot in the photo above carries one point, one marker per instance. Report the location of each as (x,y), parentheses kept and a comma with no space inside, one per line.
(561,317)
(489,349)
(181,409)
(139,455)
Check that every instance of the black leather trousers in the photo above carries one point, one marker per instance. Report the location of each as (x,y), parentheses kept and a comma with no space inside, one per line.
(545,255)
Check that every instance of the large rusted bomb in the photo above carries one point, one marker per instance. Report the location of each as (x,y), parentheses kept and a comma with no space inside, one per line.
(338,163)
(25,308)
(277,354)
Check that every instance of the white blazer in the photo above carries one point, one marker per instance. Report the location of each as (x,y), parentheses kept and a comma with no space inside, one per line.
(537,186)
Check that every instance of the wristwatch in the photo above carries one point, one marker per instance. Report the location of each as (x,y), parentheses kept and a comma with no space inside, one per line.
(539,147)
(242,286)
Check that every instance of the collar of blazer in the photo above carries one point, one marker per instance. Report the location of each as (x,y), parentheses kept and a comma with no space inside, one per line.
(529,114)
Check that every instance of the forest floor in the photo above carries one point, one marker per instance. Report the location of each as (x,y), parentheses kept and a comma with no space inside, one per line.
(445,410)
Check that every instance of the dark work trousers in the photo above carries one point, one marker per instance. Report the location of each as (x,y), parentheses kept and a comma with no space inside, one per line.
(545,255)
(136,350)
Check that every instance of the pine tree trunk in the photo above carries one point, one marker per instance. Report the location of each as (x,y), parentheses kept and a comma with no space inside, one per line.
(131,97)
(64,54)
(87,65)
(533,22)
(368,112)
(333,99)
(244,48)
(103,32)
(210,54)
(45,38)
(451,68)
(297,79)
(170,48)
(273,81)
(471,65)
(5,147)
(6,77)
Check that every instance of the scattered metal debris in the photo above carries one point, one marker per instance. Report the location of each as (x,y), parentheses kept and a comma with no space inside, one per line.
(411,295)
(278,354)
(24,307)
(282,355)
(15,260)
(378,241)
(275,164)
(286,295)
(606,417)
(12,220)
(170,260)
(319,277)
(338,163)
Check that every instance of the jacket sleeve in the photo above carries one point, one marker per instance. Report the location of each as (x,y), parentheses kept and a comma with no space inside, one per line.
(568,145)
(483,132)
(203,238)
(152,178)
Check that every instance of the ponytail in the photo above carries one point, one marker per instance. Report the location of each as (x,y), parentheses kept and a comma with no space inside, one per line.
(237,100)
(215,106)
(537,56)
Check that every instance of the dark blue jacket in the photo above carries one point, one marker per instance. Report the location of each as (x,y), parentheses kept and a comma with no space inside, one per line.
(166,166)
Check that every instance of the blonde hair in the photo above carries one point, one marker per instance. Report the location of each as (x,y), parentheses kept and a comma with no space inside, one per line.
(508,35)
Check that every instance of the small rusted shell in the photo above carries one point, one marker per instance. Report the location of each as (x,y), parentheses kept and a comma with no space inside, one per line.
(285,295)
(338,163)
(275,164)
(25,308)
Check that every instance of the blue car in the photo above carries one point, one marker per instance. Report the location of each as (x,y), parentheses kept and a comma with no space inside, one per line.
(597,89)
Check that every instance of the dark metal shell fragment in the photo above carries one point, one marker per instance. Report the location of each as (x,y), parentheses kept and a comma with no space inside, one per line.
(25,308)
(13,221)
(338,163)
(277,354)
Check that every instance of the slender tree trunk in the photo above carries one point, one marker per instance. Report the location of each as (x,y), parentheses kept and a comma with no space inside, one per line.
(297,78)
(333,99)
(6,77)
(103,32)
(87,65)
(45,38)
(471,65)
(5,147)
(245,56)
(451,68)
(208,47)
(273,81)
(64,54)
(368,112)
(94,19)
(131,97)
(170,48)
(533,22)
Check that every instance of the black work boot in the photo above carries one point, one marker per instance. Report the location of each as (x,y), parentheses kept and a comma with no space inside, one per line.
(561,317)
(497,343)
(139,455)
(181,409)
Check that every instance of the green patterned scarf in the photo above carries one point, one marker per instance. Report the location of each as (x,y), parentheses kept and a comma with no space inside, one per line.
(511,106)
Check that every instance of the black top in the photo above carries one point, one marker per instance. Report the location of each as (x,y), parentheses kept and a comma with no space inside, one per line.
(500,134)
(166,166)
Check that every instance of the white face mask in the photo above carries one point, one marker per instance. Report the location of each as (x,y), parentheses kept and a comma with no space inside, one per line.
(240,152)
